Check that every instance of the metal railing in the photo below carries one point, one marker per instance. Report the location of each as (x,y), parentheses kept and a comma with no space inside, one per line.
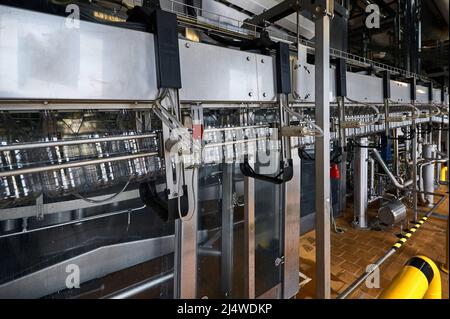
(217,22)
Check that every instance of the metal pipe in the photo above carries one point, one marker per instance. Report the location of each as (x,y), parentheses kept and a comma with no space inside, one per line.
(141,287)
(428,171)
(389,253)
(414,175)
(439,153)
(444,267)
(221,129)
(41,169)
(322,169)
(420,169)
(28,146)
(376,155)
(360,181)
(372,177)
(386,118)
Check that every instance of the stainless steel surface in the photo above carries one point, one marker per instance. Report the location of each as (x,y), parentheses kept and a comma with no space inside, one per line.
(414,151)
(41,169)
(43,59)
(360,182)
(240,72)
(249,230)
(28,146)
(186,243)
(428,152)
(292,230)
(376,155)
(81,219)
(227,231)
(322,157)
(141,287)
(94,264)
(392,213)
(59,207)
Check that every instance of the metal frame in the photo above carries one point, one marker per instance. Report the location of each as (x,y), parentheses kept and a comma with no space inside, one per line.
(249,230)
(322,154)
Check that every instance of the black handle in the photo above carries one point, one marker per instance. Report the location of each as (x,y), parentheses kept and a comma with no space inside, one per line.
(285,175)
(166,209)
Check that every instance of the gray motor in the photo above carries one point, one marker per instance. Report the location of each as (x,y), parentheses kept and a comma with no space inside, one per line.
(392,213)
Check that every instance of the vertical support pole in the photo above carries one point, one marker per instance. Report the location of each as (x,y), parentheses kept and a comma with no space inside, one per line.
(292,230)
(428,152)
(414,151)
(185,263)
(227,230)
(249,217)
(186,247)
(386,97)
(343,166)
(322,151)
(439,149)
(396,151)
(446,265)
(360,184)
(341,93)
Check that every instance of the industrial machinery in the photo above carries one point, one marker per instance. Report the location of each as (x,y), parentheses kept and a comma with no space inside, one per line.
(159,146)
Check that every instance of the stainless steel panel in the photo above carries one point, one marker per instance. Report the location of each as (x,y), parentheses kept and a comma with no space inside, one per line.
(40,58)
(364,88)
(59,207)
(249,230)
(400,92)
(185,278)
(94,264)
(305,82)
(422,94)
(360,182)
(292,230)
(211,73)
(266,78)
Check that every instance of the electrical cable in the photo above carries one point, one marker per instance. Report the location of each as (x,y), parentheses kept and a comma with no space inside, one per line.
(92,201)
(372,106)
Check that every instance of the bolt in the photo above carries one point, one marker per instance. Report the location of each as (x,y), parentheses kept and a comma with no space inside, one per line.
(250,94)
(248,58)
(187,45)
(262,60)
(264,94)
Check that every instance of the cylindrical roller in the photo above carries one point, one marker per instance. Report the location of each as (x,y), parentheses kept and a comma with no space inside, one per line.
(429,151)
(360,191)
(392,213)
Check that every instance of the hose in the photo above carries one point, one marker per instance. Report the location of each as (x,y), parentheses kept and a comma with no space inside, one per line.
(305,119)
(377,111)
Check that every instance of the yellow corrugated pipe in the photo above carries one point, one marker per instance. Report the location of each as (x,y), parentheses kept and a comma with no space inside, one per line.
(419,279)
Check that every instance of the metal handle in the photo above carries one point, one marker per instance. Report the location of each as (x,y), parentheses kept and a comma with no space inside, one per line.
(285,175)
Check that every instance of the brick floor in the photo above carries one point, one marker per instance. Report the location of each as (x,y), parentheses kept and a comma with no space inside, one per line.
(352,251)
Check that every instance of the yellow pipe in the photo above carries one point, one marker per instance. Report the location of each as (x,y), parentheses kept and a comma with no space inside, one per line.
(444,267)
(444,171)
(419,279)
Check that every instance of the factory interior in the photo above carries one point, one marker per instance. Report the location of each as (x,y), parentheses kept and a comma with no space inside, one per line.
(224,149)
